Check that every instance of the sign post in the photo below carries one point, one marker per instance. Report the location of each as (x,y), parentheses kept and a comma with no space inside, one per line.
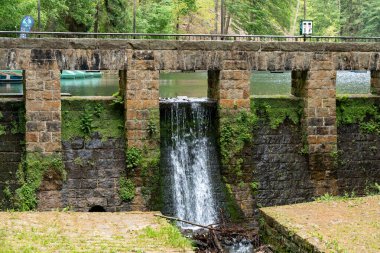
(306,28)
(26,26)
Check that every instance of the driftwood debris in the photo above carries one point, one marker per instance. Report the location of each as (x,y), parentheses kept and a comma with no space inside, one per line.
(216,237)
(187,222)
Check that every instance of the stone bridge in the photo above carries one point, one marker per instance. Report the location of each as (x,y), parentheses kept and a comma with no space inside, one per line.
(229,66)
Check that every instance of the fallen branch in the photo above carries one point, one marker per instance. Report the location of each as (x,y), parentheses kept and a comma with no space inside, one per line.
(188,222)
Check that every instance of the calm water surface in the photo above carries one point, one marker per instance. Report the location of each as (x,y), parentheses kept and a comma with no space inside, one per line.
(195,84)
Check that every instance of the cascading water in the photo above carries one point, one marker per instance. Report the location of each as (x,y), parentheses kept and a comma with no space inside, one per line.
(189,164)
(191,160)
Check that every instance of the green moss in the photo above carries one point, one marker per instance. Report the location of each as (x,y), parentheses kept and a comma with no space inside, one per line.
(232,208)
(362,111)
(151,180)
(30,175)
(81,118)
(277,110)
(126,189)
(236,131)
(254,187)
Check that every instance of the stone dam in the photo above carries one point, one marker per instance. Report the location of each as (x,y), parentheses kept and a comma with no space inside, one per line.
(270,150)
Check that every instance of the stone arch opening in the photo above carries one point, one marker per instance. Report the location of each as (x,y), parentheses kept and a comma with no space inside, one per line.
(183,84)
(97,209)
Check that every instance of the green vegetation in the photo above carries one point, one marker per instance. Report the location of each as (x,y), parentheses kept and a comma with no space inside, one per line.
(133,158)
(232,208)
(276,111)
(126,189)
(146,163)
(236,131)
(2,127)
(97,116)
(372,189)
(151,180)
(362,111)
(64,232)
(331,17)
(30,174)
(168,235)
(254,186)
(328,197)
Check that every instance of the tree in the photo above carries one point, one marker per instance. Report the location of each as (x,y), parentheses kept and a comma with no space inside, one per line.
(370,17)
(115,16)
(156,17)
(261,16)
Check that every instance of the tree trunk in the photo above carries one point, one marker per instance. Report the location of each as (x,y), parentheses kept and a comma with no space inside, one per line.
(216,15)
(96,25)
(295,17)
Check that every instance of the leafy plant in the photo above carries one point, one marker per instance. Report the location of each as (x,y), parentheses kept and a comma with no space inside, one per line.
(133,158)
(118,99)
(98,109)
(278,111)
(372,189)
(2,130)
(152,128)
(30,175)
(126,189)
(86,122)
(359,111)
(235,133)
(255,187)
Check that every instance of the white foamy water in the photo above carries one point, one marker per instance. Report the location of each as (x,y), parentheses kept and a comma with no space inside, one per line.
(190,156)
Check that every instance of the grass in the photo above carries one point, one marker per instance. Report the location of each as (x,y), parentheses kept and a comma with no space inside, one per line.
(168,235)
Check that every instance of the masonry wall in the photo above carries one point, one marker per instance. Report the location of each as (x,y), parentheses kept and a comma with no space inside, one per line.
(280,167)
(358,155)
(11,145)
(95,162)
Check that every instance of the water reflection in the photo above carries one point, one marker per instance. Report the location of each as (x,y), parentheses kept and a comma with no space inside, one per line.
(195,84)
(183,84)
(105,86)
(11,88)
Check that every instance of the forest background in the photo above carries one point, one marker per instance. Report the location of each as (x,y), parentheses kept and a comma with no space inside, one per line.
(274,17)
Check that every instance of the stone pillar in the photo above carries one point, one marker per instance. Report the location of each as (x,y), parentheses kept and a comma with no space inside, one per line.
(142,98)
(317,87)
(122,82)
(375,82)
(234,85)
(43,108)
(142,119)
(230,87)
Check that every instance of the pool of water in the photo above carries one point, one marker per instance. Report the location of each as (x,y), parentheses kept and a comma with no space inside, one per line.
(195,84)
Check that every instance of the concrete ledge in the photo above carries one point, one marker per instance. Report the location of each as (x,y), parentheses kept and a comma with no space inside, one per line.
(334,225)
(117,44)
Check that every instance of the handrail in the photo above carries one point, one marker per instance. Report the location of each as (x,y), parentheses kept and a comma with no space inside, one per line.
(189,37)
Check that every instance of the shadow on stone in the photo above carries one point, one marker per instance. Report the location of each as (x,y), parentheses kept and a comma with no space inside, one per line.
(97,209)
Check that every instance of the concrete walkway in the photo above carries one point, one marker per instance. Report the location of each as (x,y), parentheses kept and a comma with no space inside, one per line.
(88,232)
(335,225)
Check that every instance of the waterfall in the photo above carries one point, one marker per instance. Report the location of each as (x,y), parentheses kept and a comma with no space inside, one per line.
(191,160)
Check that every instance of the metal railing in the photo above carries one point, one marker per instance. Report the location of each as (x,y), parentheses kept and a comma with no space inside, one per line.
(190,37)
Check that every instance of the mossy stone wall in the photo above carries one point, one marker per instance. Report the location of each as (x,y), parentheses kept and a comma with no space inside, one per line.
(93,150)
(12,135)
